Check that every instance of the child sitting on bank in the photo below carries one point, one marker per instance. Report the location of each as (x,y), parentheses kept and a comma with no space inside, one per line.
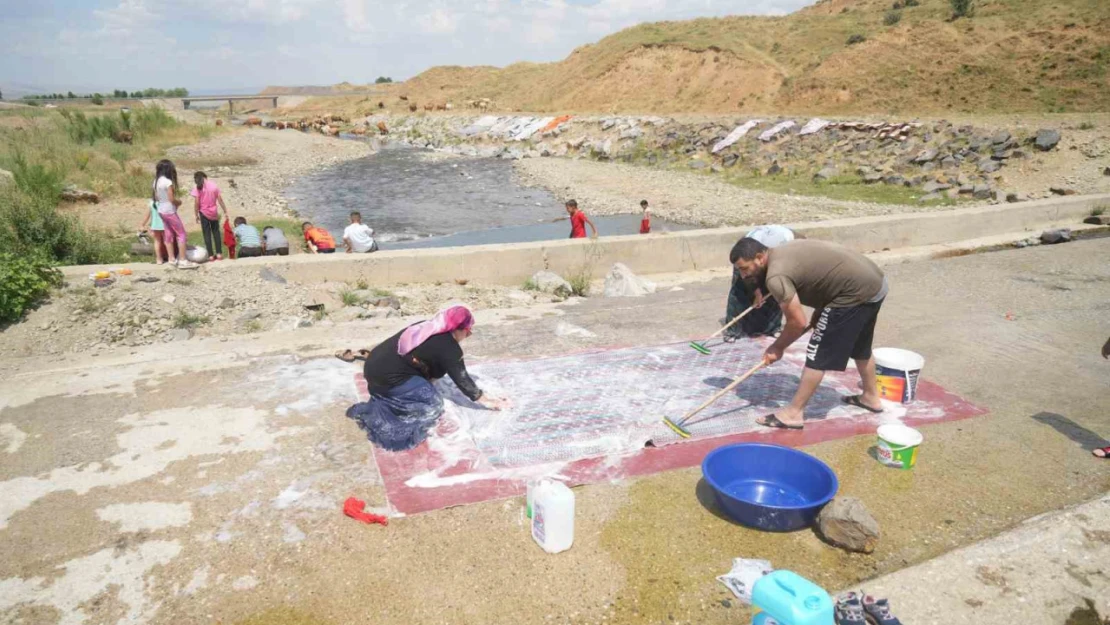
(250,243)
(318,240)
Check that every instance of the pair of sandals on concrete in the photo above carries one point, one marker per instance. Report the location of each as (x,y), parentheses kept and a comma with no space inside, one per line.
(854,608)
(772,420)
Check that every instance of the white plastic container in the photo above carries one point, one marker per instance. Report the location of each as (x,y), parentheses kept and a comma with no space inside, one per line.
(553,516)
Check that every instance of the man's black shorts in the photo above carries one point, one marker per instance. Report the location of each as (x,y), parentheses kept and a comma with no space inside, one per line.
(840,334)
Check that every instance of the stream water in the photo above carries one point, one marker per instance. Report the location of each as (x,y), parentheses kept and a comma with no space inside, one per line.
(414,201)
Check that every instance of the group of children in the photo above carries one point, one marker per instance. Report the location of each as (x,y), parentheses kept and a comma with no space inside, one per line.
(243,240)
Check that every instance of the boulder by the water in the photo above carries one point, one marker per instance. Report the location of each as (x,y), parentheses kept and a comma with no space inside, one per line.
(621,282)
(847,524)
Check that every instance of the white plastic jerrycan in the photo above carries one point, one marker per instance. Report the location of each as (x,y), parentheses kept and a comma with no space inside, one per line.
(553,516)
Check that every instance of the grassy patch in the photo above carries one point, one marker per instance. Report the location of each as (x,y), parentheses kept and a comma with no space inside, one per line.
(350,297)
(381,292)
(580,281)
(188,320)
(848,188)
(90,302)
(530,285)
(194,237)
(362,284)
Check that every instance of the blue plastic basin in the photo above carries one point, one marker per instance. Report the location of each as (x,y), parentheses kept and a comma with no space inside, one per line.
(769,487)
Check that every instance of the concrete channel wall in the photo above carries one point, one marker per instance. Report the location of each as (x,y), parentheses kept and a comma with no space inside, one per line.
(657,253)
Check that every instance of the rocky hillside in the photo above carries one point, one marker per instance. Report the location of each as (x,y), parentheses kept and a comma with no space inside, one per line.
(835,57)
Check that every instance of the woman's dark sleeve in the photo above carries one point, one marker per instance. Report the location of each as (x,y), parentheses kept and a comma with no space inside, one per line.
(459,375)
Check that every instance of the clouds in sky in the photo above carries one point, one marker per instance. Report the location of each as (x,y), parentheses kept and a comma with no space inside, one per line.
(211,44)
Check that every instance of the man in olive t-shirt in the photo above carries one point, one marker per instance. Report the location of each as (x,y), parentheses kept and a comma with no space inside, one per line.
(845,289)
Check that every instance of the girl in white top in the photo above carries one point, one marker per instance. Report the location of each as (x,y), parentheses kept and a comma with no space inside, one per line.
(165,186)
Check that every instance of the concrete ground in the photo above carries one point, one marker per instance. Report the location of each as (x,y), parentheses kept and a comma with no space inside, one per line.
(202,481)
(1048,571)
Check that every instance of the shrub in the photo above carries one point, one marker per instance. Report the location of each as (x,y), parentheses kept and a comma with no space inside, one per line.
(857,38)
(892,18)
(24,282)
(580,282)
(188,320)
(97,100)
(33,225)
(962,8)
(350,298)
(911,3)
(530,285)
(37,180)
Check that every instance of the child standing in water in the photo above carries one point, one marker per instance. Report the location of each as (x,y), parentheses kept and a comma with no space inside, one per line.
(207,195)
(164,195)
(645,222)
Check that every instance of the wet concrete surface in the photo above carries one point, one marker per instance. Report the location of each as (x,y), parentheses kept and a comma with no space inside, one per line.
(203,482)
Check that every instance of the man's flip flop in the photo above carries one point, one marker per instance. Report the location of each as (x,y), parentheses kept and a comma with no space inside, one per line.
(1103,452)
(771,421)
(854,400)
(347,355)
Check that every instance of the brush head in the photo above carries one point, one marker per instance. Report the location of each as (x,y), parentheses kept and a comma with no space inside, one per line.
(678,429)
(701,348)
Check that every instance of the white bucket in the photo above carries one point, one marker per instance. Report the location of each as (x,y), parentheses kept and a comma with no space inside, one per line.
(897,371)
(897,445)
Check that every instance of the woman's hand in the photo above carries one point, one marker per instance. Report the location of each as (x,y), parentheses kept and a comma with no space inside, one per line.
(493,403)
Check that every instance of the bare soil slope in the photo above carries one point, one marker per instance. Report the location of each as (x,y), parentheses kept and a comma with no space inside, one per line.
(1011,56)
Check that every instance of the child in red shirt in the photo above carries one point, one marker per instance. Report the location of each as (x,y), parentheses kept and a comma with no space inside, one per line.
(578,221)
(645,223)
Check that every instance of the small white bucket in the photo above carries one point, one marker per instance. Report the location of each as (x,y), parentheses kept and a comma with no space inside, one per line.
(897,371)
(897,445)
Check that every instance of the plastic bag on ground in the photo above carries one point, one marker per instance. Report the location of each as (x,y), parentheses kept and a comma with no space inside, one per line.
(743,576)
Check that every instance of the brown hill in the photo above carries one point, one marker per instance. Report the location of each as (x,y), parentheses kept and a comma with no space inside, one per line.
(1011,56)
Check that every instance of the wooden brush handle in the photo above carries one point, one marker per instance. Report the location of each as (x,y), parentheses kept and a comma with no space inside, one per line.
(723,392)
(731,323)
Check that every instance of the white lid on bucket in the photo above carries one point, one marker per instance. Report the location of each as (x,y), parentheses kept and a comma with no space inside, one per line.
(901,359)
(901,435)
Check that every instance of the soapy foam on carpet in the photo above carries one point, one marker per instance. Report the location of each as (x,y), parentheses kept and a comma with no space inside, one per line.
(601,408)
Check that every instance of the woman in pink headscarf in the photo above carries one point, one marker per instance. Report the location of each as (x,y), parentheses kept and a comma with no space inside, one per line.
(403,403)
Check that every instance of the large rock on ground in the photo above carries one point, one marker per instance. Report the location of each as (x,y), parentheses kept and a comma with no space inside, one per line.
(6,177)
(550,282)
(847,524)
(73,194)
(989,166)
(1059,235)
(1046,139)
(621,282)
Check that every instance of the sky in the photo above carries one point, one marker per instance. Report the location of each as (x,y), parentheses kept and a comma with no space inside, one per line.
(205,45)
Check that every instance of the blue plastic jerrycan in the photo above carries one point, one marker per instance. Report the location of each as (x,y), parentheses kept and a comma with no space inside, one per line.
(787,598)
